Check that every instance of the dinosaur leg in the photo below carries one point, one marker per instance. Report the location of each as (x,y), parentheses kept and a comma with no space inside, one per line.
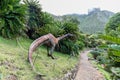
(48,51)
(51,51)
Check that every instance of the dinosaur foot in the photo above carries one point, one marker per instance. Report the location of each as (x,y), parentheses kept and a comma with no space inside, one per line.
(53,57)
(49,55)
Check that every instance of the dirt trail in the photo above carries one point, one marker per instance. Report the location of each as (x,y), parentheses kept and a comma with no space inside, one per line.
(86,71)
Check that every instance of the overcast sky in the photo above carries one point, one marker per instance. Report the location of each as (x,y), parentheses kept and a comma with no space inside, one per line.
(61,7)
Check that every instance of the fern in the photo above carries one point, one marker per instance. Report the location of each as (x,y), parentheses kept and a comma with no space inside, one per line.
(12,18)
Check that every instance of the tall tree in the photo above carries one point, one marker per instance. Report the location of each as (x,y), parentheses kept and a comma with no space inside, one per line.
(113,26)
(74,44)
(34,16)
(12,18)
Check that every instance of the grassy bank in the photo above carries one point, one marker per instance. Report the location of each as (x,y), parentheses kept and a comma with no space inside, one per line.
(106,74)
(13,61)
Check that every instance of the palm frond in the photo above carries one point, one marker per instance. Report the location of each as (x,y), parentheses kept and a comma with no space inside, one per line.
(12,18)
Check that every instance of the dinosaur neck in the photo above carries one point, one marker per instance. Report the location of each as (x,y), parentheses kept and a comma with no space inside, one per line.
(61,37)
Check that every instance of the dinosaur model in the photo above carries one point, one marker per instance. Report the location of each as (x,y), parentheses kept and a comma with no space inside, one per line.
(45,39)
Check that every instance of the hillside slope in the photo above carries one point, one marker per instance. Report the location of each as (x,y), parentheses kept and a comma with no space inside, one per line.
(14,64)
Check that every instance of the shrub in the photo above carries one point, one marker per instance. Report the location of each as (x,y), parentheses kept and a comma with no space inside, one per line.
(115,72)
(12,18)
(96,53)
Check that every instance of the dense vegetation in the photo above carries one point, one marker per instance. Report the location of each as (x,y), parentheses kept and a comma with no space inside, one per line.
(108,53)
(113,26)
(28,20)
(12,18)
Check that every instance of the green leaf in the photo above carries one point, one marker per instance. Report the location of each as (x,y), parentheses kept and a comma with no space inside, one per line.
(116,71)
(110,38)
(114,52)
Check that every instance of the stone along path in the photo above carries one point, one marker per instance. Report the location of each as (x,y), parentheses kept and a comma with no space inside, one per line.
(86,71)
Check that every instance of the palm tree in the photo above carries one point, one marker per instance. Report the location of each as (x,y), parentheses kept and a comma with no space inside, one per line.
(34,16)
(12,18)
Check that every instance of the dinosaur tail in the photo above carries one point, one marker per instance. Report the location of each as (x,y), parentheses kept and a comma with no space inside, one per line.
(32,64)
(33,46)
(30,59)
(31,50)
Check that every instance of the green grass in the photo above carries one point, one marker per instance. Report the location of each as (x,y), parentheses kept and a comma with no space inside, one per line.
(13,61)
(106,74)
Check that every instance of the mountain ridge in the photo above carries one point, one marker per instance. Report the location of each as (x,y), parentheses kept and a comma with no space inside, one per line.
(93,22)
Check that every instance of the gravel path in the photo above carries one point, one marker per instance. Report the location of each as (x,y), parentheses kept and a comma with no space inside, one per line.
(86,71)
